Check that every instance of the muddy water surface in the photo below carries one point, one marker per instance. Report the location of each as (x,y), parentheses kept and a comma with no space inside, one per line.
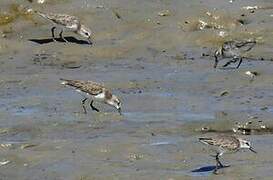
(156,56)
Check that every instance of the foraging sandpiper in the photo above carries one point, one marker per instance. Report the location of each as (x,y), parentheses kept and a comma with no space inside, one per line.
(71,23)
(225,144)
(233,49)
(95,92)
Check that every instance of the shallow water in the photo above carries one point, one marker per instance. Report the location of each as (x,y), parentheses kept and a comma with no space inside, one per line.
(170,93)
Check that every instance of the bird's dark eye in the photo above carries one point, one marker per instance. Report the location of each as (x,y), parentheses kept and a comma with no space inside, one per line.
(86,34)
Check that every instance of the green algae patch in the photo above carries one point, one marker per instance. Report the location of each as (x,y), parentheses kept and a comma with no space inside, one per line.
(14,12)
(6,19)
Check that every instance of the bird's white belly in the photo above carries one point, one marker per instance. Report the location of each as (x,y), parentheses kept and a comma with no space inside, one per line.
(99,97)
(215,149)
(84,94)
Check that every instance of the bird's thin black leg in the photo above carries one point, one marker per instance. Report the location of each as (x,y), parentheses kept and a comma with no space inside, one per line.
(89,41)
(218,161)
(240,61)
(61,36)
(215,61)
(231,61)
(228,63)
(52,33)
(216,169)
(84,109)
(218,164)
(92,106)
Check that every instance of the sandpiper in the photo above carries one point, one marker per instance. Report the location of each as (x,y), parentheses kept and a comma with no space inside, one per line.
(225,144)
(233,49)
(95,92)
(69,22)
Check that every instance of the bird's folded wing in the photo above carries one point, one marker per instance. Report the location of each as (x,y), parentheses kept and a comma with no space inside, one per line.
(245,46)
(85,86)
(66,20)
(226,142)
(209,141)
(91,88)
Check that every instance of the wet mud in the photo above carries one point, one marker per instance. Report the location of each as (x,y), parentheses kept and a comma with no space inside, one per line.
(157,56)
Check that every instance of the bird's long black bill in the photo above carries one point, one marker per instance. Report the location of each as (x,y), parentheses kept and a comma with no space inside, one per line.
(89,41)
(251,149)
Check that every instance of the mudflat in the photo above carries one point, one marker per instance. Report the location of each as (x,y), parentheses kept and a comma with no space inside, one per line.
(157,56)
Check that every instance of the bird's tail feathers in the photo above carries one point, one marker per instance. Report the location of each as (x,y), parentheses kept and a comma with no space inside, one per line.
(247,45)
(41,14)
(204,139)
(64,81)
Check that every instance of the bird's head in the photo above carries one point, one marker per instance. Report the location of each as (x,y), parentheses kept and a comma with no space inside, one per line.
(246,144)
(85,32)
(114,101)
